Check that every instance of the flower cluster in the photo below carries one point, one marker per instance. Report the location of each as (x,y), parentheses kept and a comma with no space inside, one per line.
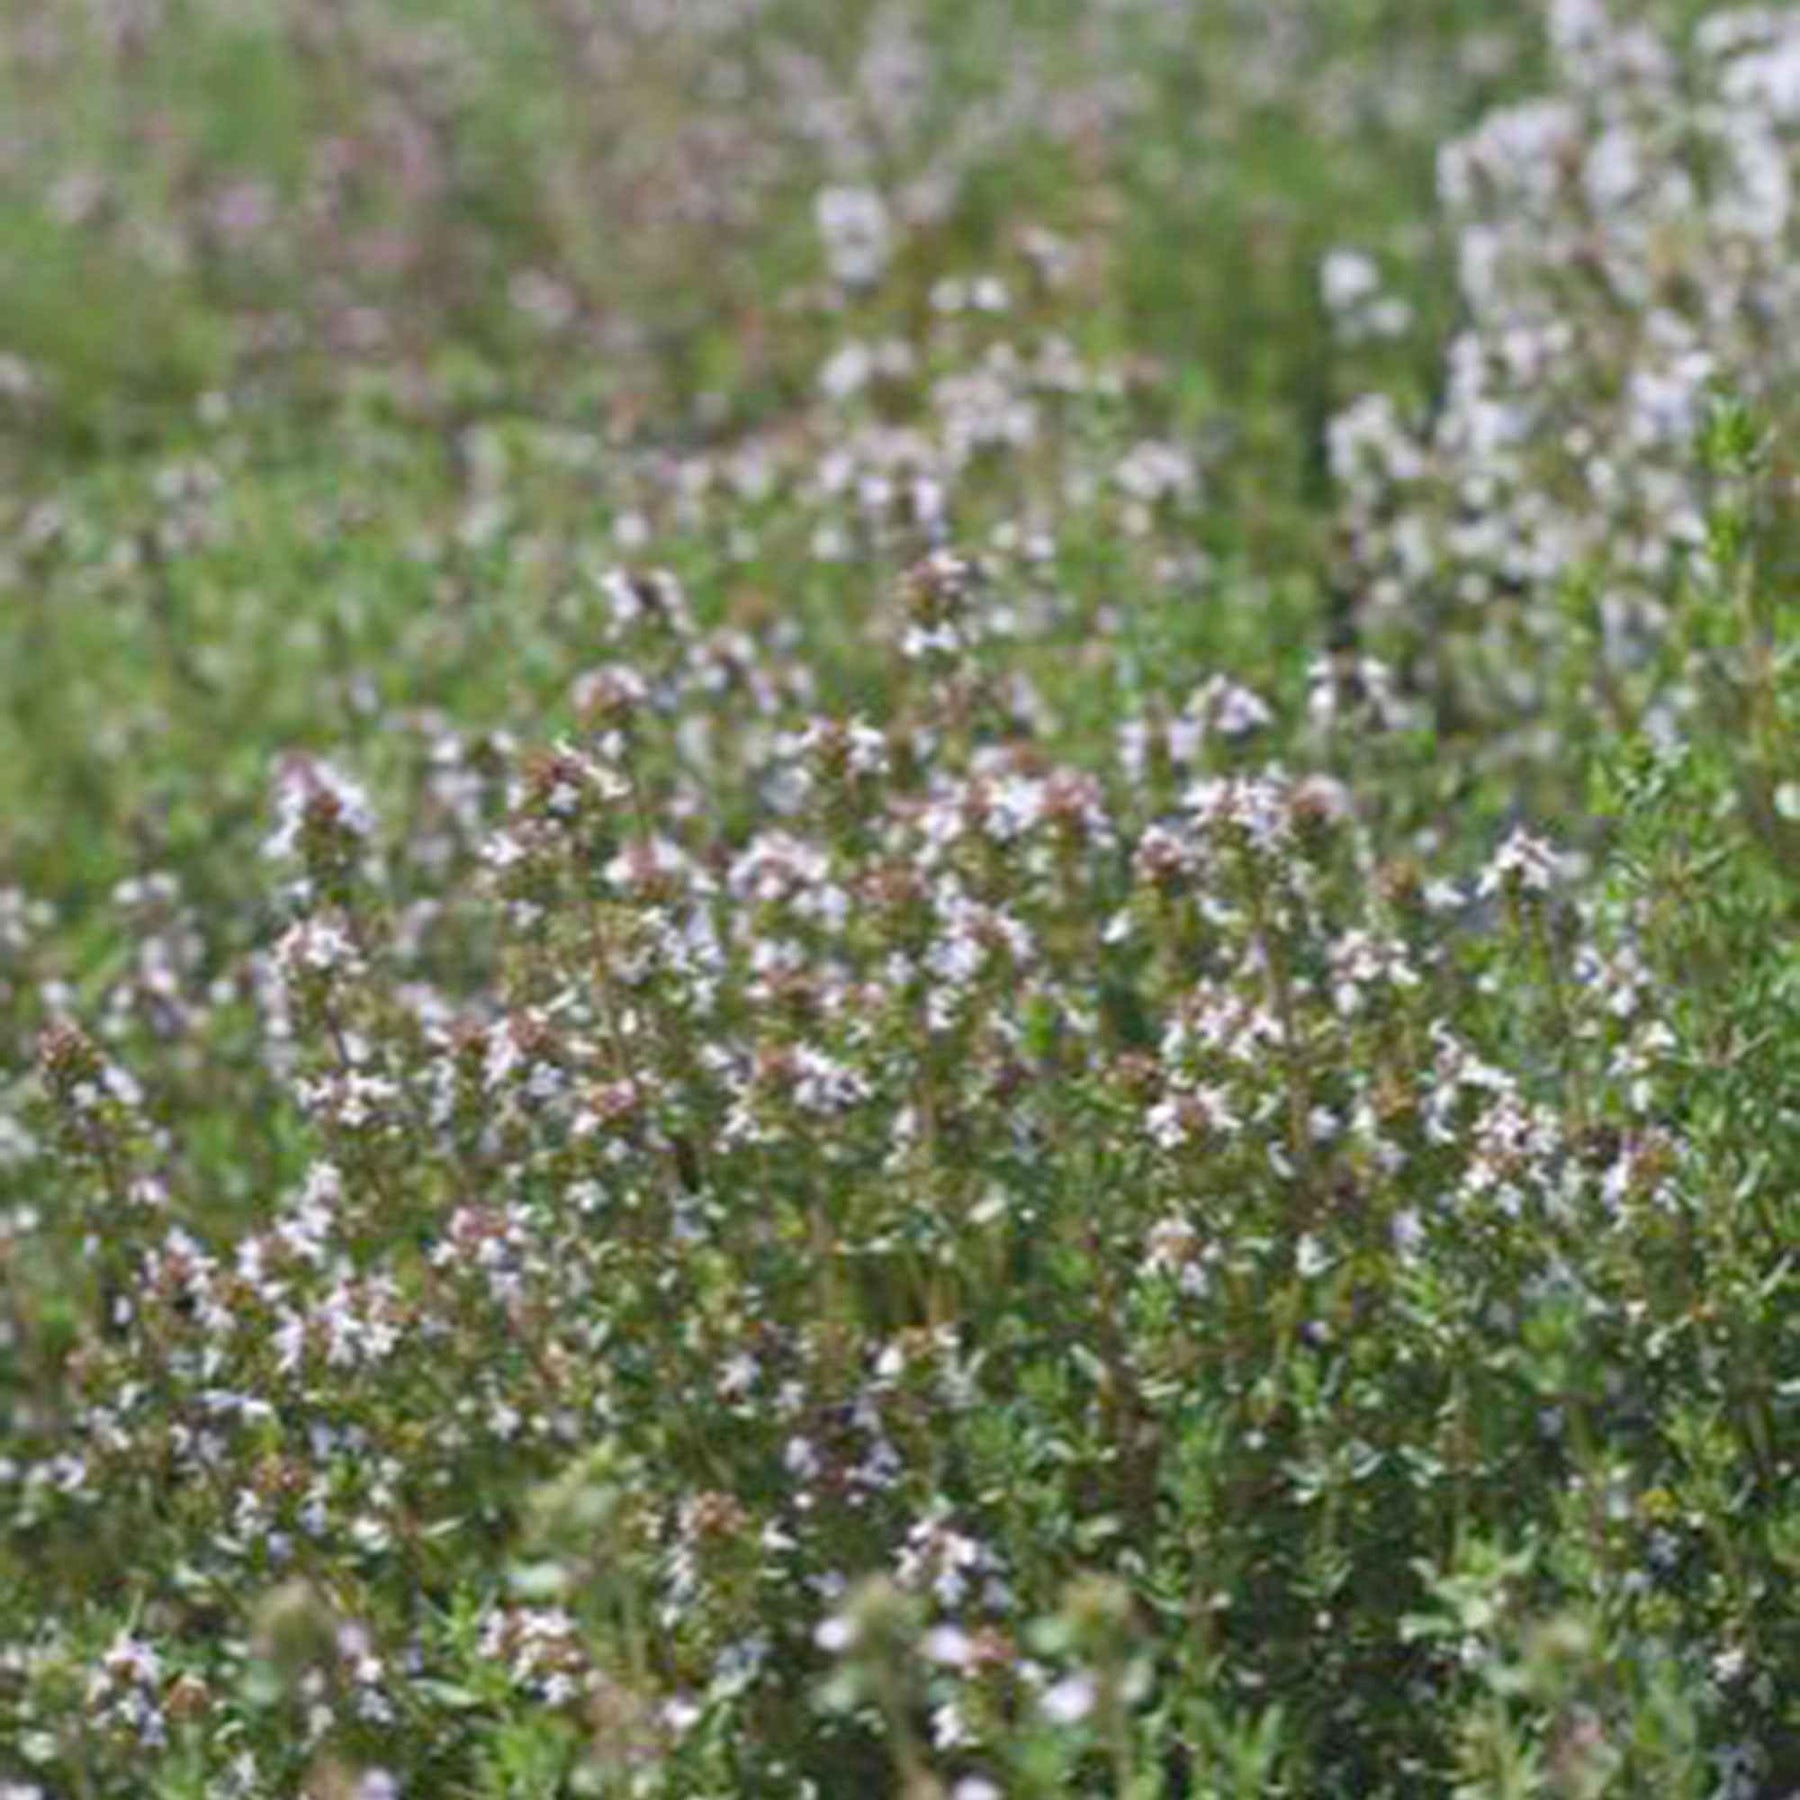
(886,1017)
(1625,248)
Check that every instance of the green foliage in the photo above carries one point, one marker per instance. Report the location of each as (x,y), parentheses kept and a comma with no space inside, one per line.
(898,898)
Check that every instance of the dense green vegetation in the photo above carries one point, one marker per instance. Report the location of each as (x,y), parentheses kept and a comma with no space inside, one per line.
(898,897)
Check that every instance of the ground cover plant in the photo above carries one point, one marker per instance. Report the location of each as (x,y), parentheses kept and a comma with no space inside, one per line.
(898,898)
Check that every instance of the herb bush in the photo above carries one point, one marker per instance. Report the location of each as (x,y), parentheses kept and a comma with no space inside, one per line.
(899,899)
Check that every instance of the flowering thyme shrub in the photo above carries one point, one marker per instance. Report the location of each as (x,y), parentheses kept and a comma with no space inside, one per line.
(1624,245)
(910,1071)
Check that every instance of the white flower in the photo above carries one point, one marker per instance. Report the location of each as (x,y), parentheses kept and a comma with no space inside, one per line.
(1347,278)
(1069,1701)
(949,1730)
(1523,861)
(681,1715)
(847,372)
(854,225)
(304,780)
